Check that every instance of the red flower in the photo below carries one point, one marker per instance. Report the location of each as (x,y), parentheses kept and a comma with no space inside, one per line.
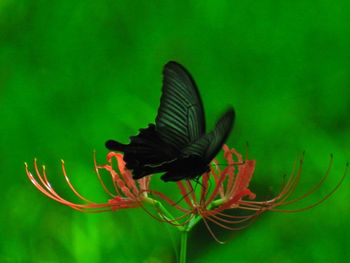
(128,192)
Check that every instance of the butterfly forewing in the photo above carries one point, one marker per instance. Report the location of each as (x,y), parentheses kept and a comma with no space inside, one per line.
(180,119)
(195,158)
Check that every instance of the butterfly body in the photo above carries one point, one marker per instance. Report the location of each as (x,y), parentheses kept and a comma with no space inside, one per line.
(177,143)
(185,168)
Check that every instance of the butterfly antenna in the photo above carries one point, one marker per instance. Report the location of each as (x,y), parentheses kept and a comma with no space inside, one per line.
(196,180)
(187,194)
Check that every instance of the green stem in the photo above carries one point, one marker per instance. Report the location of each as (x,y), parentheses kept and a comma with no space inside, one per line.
(183,249)
(193,222)
(184,229)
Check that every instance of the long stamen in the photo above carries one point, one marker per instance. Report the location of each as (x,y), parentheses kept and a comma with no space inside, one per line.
(53,195)
(90,207)
(36,183)
(249,208)
(46,184)
(216,216)
(320,201)
(287,186)
(232,216)
(233,219)
(71,186)
(316,187)
(50,191)
(293,184)
(100,178)
(286,191)
(211,232)
(215,221)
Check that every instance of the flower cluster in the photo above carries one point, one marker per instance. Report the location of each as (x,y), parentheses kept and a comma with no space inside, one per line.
(230,192)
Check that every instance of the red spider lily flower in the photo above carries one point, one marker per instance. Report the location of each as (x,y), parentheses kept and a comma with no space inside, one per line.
(128,192)
(230,192)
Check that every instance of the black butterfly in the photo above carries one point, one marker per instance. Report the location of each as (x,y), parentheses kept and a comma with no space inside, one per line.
(177,144)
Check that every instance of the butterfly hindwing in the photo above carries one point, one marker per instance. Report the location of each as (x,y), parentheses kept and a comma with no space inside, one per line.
(180,119)
(219,135)
(207,146)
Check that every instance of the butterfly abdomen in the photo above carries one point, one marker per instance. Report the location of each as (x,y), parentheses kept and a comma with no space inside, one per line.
(185,168)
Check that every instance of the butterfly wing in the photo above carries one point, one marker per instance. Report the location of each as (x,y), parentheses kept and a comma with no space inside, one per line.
(194,159)
(208,146)
(146,153)
(180,119)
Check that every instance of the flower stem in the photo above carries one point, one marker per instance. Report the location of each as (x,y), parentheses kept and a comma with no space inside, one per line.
(183,249)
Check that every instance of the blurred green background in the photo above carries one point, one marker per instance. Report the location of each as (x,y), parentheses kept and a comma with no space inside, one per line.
(73,74)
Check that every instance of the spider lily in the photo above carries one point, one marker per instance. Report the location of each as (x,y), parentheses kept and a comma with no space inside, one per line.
(127,192)
(230,193)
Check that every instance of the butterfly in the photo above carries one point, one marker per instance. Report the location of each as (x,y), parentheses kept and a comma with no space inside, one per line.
(176,144)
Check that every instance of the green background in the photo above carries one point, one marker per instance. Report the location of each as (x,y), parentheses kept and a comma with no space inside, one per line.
(73,74)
